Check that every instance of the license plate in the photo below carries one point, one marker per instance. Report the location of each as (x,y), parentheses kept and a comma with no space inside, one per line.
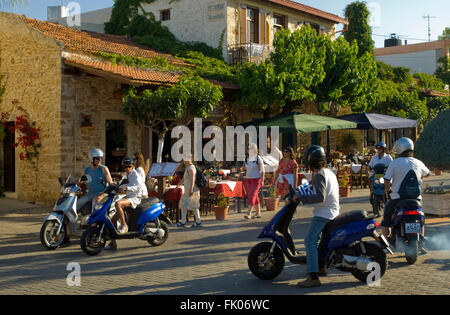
(412,228)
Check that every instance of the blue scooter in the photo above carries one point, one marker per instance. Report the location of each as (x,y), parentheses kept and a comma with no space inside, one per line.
(378,197)
(341,245)
(147,222)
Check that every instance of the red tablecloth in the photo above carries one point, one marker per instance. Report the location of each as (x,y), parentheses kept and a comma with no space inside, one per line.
(173,194)
(222,188)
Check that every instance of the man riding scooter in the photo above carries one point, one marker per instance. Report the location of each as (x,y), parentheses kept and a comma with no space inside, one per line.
(380,158)
(403,170)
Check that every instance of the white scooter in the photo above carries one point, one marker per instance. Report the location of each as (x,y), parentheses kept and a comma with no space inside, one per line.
(64,220)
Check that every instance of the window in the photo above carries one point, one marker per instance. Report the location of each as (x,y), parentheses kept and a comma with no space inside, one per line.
(252,25)
(165,15)
(278,22)
(315,27)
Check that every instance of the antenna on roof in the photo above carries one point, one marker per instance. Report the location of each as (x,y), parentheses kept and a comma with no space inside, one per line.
(428,17)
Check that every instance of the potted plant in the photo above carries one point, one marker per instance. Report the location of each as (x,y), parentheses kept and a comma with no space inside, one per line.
(271,202)
(221,207)
(344,184)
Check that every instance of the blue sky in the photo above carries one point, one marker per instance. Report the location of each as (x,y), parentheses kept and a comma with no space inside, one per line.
(403,17)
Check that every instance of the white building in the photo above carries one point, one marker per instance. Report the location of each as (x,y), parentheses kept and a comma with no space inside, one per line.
(423,57)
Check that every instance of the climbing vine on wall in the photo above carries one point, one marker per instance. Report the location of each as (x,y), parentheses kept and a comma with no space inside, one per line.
(129,18)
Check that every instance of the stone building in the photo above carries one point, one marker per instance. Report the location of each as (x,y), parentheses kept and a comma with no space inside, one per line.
(74,97)
(244,28)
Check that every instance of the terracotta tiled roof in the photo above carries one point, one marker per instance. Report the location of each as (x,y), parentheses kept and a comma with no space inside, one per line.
(85,41)
(120,73)
(310,10)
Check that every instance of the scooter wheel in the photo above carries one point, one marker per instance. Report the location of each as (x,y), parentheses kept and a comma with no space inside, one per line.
(412,250)
(264,265)
(89,241)
(48,239)
(155,241)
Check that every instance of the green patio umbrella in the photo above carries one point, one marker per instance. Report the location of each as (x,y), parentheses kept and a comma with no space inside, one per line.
(299,122)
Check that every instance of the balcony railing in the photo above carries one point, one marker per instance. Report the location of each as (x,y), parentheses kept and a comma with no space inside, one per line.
(248,52)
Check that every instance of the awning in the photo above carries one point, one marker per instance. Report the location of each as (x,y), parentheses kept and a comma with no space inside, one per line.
(299,122)
(379,121)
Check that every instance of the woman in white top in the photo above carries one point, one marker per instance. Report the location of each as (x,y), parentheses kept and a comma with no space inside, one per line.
(190,200)
(138,159)
(254,179)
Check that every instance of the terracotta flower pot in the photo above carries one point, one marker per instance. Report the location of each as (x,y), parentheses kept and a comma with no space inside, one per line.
(437,171)
(221,212)
(344,191)
(271,203)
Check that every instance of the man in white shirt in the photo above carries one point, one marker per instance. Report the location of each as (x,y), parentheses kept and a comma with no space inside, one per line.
(396,173)
(381,157)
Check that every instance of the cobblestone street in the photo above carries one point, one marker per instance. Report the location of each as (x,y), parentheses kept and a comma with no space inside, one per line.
(208,260)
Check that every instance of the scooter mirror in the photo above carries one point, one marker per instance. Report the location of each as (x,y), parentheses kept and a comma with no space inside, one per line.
(84,178)
(61,181)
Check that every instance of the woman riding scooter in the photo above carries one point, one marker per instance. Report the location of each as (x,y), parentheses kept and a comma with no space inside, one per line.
(326,208)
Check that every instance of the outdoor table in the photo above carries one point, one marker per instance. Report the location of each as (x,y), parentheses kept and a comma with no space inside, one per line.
(173,196)
(230,189)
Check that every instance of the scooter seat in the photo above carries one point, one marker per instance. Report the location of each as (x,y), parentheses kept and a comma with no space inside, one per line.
(345,218)
(140,209)
(147,203)
(409,204)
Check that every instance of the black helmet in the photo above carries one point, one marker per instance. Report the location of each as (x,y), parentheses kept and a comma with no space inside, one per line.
(313,155)
(127,161)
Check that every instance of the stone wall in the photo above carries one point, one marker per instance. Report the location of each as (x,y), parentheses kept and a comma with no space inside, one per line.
(31,64)
(84,94)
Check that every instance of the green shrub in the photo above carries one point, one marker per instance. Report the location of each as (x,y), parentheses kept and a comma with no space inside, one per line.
(433,145)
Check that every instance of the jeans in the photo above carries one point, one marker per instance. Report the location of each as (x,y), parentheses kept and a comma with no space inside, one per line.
(312,242)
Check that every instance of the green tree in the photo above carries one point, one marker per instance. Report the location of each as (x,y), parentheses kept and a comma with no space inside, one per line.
(299,59)
(443,71)
(259,86)
(358,27)
(349,78)
(445,34)
(306,66)
(167,107)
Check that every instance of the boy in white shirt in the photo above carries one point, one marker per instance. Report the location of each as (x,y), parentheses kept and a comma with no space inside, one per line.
(326,208)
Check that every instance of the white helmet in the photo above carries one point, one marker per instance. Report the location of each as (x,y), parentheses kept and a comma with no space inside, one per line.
(95,153)
(402,145)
